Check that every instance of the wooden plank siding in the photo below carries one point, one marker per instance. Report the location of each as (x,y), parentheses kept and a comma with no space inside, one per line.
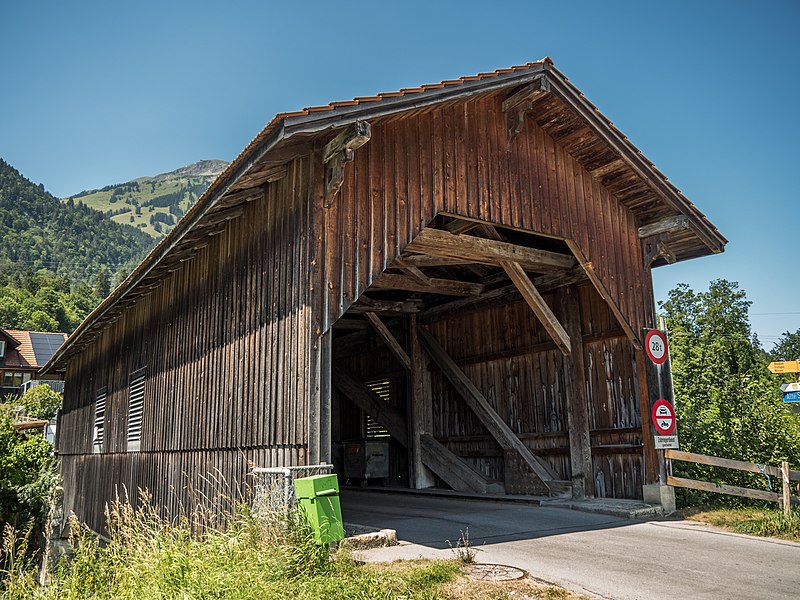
(226,342)
(461,164)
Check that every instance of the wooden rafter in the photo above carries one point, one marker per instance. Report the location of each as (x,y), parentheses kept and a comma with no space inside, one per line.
(412,271)
(389,339)
(366,305)
(446,287)
(339,151)
(435,242)
(505,294)
(539,307)
(482,409)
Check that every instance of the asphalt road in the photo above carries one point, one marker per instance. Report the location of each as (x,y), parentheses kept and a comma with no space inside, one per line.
(597,555)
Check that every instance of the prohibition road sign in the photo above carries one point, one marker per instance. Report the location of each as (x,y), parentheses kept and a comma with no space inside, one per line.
(663,417)
(656,345)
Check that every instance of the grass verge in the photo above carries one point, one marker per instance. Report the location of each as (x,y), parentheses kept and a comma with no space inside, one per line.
(765,522)
(149,556)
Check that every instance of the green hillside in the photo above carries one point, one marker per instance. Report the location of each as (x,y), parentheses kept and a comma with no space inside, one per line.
(39,232)
(153,204)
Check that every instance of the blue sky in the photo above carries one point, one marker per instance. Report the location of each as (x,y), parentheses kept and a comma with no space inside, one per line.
(95,93)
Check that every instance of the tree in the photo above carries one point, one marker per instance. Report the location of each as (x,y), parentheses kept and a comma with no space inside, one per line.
(27,473)
(726,401)
(788,347)
(41,402)
(102,284)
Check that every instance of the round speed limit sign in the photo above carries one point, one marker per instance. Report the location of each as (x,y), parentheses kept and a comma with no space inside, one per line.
(656,345)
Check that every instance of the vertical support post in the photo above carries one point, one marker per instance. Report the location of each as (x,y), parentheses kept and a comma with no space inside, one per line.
(325,398)
(787,498)
(580,446)
(421,421)
(319,409)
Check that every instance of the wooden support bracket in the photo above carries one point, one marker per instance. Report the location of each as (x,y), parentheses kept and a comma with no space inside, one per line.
(339,151)
(517,105)
(655,247)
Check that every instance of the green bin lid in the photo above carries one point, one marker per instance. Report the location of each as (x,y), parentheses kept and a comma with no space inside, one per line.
(310,487)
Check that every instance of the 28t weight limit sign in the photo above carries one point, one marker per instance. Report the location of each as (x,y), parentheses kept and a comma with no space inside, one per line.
(656,346)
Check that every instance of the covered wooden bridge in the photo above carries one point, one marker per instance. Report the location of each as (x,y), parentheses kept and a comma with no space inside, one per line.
(464,266)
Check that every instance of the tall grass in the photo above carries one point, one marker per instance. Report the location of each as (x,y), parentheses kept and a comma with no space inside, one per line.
(150,556)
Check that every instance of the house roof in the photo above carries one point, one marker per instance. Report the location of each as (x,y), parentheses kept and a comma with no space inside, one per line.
(564,113)
(32,349)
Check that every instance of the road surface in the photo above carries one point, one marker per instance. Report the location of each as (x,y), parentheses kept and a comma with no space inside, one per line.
(597,555)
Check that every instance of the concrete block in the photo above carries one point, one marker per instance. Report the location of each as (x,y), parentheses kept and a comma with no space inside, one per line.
(663,495)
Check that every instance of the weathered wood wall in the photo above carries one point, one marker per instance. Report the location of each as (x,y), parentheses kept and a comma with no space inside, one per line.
(510,358)
(227,344)
(456,159)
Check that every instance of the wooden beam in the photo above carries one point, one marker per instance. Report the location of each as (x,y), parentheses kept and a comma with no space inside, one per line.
(668,225)
(420,413)
(365,304)
(501,295)
(455,471)
(482,409)
(580,446)
(420,260)
(372,404)
(446,287)
(339,151)
(389,339)
(605,295)
(435,242)
(344,323)
(412,271)
(539,307)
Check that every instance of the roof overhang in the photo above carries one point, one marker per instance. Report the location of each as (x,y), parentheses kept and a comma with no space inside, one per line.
(292,134)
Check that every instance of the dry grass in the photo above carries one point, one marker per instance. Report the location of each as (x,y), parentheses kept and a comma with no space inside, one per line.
(764,522)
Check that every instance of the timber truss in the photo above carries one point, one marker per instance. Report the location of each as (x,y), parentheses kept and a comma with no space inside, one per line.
(452,267)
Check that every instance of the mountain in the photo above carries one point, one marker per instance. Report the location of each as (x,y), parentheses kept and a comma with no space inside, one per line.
(39,232)
(153,204)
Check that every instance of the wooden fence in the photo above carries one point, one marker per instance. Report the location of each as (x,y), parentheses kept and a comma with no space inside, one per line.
(782,473)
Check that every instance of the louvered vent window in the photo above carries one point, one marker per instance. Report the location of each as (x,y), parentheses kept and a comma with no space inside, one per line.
(135,409)
(99,420)
(375,429)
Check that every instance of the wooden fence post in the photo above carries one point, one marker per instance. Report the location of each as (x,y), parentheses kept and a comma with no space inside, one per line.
(787,501)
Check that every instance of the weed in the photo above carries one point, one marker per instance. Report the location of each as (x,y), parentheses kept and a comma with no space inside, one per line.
(463,550)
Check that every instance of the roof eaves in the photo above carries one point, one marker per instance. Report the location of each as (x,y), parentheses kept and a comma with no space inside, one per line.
(699,223)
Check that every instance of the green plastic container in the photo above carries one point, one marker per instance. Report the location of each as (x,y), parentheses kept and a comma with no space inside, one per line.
(318,499)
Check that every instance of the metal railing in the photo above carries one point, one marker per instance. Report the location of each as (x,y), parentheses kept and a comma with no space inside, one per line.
(274,486)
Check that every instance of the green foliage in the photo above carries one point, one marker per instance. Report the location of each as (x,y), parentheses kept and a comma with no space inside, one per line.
(150,556)
(769,521)
(44,302)
(727,402)
(41,402)
(27,474)
(39,232)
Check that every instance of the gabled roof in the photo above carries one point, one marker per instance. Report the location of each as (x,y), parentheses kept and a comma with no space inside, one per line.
(32,349)
(564,113)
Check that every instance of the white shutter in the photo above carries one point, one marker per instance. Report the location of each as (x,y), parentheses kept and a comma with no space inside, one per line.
(375,429)
(99,419)
(135,409)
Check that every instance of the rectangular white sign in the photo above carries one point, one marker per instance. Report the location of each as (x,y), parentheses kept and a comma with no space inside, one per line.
(666,441)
